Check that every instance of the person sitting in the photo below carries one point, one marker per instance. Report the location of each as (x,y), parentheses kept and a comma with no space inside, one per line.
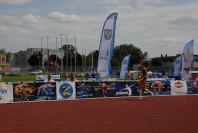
(87,76)
(98,78)
(71,77)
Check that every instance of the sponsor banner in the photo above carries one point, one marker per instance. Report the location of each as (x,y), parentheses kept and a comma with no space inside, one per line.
(65,90)
(47,78)
(124,67)
(84,90)
(45,91)
(6,93)
(107,46)
(42,78)
(127,88)
(55,78)
(34,91)
(23,92)
(105,89)
(177,66)
(160,87)
(192,87)
(187,59)
(178,87)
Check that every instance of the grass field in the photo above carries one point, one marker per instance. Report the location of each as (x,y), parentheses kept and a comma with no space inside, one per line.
(19,78)
(25,77)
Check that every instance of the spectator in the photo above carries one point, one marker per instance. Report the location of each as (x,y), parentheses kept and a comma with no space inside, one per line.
(93,73)
(87,76)
(71,77)
(98,78)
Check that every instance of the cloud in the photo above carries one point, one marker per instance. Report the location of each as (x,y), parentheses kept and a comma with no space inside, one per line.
(156,26)
(15,2)
(58,16)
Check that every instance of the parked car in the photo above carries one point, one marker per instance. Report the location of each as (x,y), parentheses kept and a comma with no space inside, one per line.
(36,72)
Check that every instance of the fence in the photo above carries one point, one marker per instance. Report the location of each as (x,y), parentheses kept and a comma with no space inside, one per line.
(41,91)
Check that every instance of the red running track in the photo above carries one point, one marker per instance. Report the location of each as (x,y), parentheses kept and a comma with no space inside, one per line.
(124,115)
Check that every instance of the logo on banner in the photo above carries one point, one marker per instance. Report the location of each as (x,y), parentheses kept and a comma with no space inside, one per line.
(178,85)
(107,34)
(66,90)
(3,89)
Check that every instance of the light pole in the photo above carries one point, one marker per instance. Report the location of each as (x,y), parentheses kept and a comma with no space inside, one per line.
(75,52)
(67,66)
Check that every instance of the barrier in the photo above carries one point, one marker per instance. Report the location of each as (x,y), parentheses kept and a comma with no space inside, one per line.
(178,87)
(6,93)
(34,91)
(44,91)
(65,90)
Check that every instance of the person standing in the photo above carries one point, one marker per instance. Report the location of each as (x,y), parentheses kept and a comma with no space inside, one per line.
(143,80)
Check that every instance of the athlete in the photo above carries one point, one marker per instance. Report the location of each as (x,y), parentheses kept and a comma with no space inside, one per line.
(143,80)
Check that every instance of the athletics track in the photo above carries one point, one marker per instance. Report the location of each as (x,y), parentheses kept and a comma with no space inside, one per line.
(120,115)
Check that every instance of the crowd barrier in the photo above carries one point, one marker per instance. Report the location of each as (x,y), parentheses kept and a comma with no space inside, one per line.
(42,91)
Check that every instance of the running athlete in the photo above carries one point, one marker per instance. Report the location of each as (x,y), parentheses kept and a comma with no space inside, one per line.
(143,80)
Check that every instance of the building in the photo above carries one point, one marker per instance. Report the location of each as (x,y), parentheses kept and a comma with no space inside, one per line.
(5,66)
(36,58)
(166,63)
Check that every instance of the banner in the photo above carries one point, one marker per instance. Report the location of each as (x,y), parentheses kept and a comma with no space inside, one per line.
(34,91)
(45,91)
(192,87)
(42,78)
(177,66)
(106,89)
(85,89)
(124,68)
(65,90)
(126,88)
(23,92)
(6,93)
(187,59)
(107,46)
(178,87)
(160,87)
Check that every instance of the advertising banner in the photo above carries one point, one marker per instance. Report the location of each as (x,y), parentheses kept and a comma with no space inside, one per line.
(23,92)
(34,91)
(106,89)
(178,87)
(6,93)
(42,78)
(187,59)
(192,87)
(65,90)
(126,88)
(160,87)
(124,67)
(45,91)
(107,45)
(84,90)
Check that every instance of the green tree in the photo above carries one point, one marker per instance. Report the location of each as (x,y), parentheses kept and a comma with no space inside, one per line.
(125,49)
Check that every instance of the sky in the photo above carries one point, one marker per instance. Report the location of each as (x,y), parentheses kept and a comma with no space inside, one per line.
(156,26)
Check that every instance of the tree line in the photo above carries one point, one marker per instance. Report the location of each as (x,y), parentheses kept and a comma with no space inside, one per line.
(86,60)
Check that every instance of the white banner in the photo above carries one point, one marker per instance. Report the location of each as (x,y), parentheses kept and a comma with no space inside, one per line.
(107,45)
(42,78)
(65,90)
(187,60)
(178,87)
(124,68)
(6,93)
(55,78)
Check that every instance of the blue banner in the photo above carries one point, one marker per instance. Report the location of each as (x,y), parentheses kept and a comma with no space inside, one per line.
(177,66)
(124,67)
(187,59)
(107,45)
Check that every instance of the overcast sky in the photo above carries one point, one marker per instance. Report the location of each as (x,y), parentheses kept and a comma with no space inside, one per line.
(156,26)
